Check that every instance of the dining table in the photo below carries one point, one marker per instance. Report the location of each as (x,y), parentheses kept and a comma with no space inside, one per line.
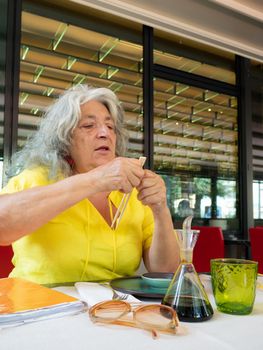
(221,332)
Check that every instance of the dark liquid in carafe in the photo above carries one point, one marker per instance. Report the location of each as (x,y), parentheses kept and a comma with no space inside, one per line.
(189,310)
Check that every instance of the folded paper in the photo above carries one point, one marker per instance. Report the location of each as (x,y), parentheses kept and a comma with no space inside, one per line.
(23,301)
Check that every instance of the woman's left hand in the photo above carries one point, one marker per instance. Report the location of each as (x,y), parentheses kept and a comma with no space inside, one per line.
(152,191)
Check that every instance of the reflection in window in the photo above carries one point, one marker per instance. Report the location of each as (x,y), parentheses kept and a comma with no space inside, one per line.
(195,196)
(56,56)
(196,67)
(203,197)
(188,196)
(226,199)
(196,139)
(195,130)
(258,199)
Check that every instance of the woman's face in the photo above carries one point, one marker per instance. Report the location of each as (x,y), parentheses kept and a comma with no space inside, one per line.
(94,138)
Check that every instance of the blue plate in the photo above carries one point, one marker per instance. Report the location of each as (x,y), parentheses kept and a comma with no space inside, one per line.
(158,279)
(138,287)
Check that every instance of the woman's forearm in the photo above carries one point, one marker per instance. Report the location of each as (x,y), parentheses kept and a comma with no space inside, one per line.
(23,212)
(163,255)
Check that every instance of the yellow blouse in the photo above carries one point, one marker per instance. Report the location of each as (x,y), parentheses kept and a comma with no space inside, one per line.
(78,244)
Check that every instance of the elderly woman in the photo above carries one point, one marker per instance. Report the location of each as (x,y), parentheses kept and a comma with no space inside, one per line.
(73,176)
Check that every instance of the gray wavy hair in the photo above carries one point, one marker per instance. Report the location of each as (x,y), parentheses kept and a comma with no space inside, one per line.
(49,146)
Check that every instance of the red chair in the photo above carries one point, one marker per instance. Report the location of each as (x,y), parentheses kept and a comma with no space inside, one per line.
(256,245)
(6,266)
(209,245)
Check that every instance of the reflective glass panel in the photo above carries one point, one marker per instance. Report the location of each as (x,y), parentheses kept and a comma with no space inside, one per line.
(196,151)
(194,57)
(194,130)
(56,55)
(257,141)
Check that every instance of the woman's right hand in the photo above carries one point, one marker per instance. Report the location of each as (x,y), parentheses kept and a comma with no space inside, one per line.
(122,174)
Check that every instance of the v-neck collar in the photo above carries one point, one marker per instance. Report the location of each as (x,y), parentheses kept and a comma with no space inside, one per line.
(115,198)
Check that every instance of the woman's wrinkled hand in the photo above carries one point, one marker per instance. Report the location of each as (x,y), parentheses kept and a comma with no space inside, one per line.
(152,191)
(122,174)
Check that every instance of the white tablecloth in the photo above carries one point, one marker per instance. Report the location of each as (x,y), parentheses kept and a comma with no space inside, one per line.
(222,332)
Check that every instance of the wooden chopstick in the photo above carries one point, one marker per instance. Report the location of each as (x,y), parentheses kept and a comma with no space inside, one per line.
(123,203)
(127,197)
(119,209)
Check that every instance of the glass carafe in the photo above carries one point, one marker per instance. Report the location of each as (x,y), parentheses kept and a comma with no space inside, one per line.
(185,292)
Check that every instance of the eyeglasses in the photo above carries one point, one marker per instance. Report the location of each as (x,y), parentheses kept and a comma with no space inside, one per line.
(152,317)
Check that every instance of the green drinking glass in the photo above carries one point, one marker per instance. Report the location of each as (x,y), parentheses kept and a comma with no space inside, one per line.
(234,285)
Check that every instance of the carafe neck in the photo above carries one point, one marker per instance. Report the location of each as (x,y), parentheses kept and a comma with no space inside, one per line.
(186,255)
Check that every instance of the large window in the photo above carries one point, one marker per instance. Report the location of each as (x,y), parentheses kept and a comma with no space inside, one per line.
(193,129)
(56,56)
(193,66)
(195,138)
(257,142)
